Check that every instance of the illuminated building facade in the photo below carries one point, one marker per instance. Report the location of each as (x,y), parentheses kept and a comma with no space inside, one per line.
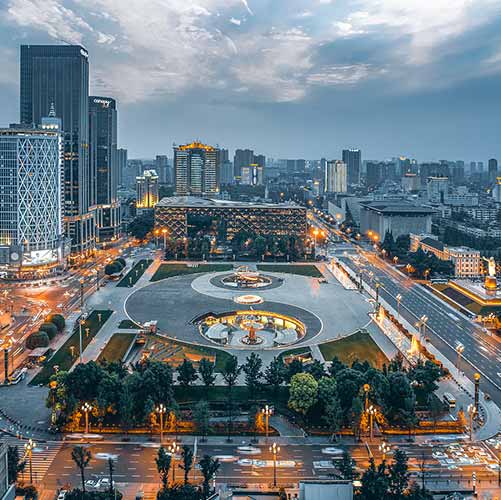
(252,175)
(179,214)
(147,190)
(336,177)
(103,157)
(31,220)
(195,167)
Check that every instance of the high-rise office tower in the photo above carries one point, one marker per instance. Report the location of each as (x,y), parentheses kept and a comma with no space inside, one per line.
(226,173)
(121,165)
(103,158)
(147,190)
(253,175)
(59,74)
(493,170)
(162,168)
(31,222)
(336,177)
(353,160)
(374,174)
(242,158)
(195,168)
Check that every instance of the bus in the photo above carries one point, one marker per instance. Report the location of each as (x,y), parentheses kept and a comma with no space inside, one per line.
(449,400)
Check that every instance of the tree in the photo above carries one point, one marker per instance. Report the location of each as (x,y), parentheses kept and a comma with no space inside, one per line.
(347,467)
(416,492)
(58,320)
(180,492)
(253,373)
(303,392)
(81,457)
(315,368)
(333,415)
(201,417)
(208,467)
(141,225)
(398,477)
(49,328)
(295,366)
(187,457)
(230,374)
(126,408)
(436,409)
(336,366)
(163,462)
(206,371)
(274,374)
(327,390)
(374,482)
(38,339)
(14,464)
(186,373)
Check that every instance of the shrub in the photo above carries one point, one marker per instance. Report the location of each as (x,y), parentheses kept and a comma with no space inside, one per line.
(112,268)
(121,261)
(49,328)
(58,320)
(38,339)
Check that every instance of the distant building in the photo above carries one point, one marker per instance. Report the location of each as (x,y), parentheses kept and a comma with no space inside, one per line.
(467,261)
(397,217)
(31,222)
(496,192)
(493,170)
(134,169)
(242,158)
(121,164)
(147,190)
(336,177)
(353,160)
(177,214)
(374,174)
(226,173)
(410,182)
(253,175)
(162,169)
(103,157)
(7,487)
(438,189)
(195,168)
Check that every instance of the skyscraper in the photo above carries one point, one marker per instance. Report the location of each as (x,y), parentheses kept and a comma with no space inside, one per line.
(147,190)
(336,177)
(59,75)
(493,170)
(122,164)
(162,169)
(103,158)
(353,160)
(195,167)
(242,158)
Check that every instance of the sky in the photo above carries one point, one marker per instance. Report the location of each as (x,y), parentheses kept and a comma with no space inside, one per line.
(287,78)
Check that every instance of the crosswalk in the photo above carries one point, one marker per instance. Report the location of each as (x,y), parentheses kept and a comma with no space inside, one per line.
(42,456)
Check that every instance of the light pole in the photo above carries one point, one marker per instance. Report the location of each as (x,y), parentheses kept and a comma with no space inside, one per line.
(81,323)
(459,350)
(377,291)
(471,413)
(53,393)
(371,411)
(367,388)
(476,378)
(173,449)
(164,232)
(28,447)
(160,409)
(384,448)
(399,298)
(86,408)
(275,450)
(267,412)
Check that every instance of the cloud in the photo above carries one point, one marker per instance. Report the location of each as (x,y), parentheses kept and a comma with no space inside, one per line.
(234,21)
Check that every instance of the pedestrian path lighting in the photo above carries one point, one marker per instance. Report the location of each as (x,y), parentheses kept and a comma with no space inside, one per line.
(267,412)
(371,411)
(86,408)
(471,413)
(459,350)
(161,410)
(275,450)
(28,448)
(173,449)
(367,388)
(384,448)
(399,298)
(81,323)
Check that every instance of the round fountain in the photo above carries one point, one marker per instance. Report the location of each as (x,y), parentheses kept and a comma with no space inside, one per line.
(244,277)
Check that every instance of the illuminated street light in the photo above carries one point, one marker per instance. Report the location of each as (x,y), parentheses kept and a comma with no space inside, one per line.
(377,291)
(395,260)
(371,411)
(28,448)
(267,412)
(367,388)
(173,449)
(384,448)
(164,232)
(471,413)
(399,298)
(275,450)
(459,350)
(81,323)
(86,408)
(161,410)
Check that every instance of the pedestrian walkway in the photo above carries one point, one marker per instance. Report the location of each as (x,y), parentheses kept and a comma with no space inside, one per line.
(285,428)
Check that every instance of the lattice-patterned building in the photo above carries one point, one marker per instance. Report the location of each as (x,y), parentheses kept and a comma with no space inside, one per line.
(179,214)
(31,219)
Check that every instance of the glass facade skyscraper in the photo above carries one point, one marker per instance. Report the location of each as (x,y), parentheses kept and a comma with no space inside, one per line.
(59,75)
(353,160)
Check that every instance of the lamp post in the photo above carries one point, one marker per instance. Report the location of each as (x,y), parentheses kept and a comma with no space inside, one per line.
(82,281)
(53,389)
(377,291)
(315,234)
(28,448)
(164,232)
(81,323)
(173,449)
(371,411)
(86,408)
(367,388)
(476,378)
(399,298)
(459,350)
(275,450)
(161,410)
(384,448)
(471,413)
(267,412)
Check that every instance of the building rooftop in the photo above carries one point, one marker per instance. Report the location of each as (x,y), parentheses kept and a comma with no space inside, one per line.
(394,207)
(196,202)
(431,242)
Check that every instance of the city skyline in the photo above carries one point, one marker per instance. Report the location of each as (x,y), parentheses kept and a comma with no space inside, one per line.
(322,76)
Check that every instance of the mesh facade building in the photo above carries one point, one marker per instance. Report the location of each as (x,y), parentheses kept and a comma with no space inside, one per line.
(31,220)
(178,214)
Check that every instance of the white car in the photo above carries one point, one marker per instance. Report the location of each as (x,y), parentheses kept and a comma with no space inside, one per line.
(91,484)
(105,483)
(332,451)
(248,450)
(225,458)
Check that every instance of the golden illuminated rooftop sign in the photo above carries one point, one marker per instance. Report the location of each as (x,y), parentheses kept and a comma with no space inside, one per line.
(196,145)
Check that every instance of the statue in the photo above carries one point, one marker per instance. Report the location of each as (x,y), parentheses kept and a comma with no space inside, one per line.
(492,266)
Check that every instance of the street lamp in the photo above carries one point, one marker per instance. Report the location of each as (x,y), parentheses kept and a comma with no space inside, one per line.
(86,408)
(81,323)
(471,413)
(399,298)
(371,411)
(173,449)
(395,260)
(53,393)
(367,388)
(459,350)
(384,448)
(267,412)
(164,232)
(275,450)
(161,410)
(377,291)
(82,281)
(28,447)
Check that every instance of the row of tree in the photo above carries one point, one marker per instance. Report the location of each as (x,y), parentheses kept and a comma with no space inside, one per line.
(52,325)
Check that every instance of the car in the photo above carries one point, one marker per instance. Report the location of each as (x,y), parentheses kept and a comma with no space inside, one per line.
(332,451)
(91,484)
(105,483)
(487,396)
(248,450)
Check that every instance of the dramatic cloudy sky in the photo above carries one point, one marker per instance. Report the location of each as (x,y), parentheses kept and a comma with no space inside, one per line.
(289,78)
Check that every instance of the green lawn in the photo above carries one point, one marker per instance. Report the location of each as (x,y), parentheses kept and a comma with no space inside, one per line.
(357,346)
(170,270)
(63,357)
(116,347)
(219,393)
(127,324)
(306,270)
(132,277)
